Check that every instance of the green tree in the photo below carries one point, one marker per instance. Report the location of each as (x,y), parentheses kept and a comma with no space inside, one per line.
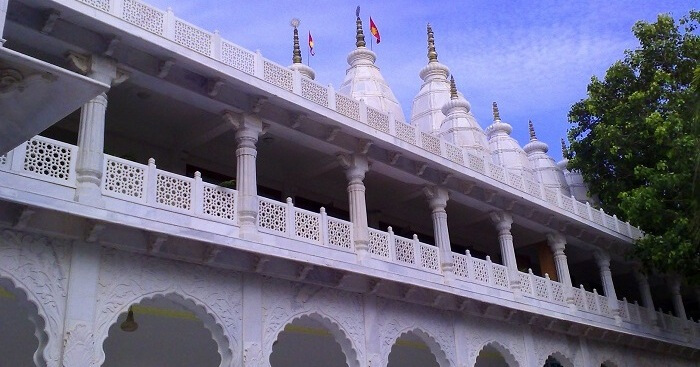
(636,140)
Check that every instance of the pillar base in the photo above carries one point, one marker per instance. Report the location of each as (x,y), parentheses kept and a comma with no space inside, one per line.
(89,194)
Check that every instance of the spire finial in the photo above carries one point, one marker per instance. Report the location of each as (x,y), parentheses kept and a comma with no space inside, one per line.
(564,151)
(496,115)
(532,130)
(360,36)
(432,54)
(296,54)
(453,88)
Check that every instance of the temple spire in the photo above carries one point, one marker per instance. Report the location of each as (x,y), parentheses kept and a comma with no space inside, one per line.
(360,36)
(432,54)
(296,53)
(531,127)
(453,88)
(496,115)
(564,150)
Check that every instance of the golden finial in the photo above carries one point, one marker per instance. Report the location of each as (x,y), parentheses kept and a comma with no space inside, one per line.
(564,151)
(453,88)
(496,115)
(296,54)
(432,54)
(360,37)
(532,130)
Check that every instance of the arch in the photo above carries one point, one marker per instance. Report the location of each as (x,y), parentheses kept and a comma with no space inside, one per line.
(37,315)
(609,363)
(560,357)
(505,353)
(429,340)
(210,320)
(340,336)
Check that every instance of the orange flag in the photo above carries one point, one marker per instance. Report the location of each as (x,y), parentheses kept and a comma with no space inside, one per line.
(374,30)
(311,45)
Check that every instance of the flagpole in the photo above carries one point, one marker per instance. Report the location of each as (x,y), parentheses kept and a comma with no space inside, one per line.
(308,58)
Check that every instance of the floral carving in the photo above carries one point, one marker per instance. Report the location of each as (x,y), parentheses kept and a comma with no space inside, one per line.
(564,348)
(482,332)
(80,344)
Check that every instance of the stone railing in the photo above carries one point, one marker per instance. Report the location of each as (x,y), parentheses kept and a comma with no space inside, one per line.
(485,272)
(211,45)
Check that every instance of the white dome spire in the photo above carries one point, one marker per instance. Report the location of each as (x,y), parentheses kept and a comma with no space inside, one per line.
(504,149)
(364,81)
(545,169)
(460,127)
(297,63)
(577,187)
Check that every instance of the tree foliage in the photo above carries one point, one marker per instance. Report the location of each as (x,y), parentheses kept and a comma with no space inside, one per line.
(636,140)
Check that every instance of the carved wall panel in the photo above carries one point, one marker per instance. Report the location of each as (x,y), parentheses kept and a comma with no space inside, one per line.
(565,349)
(506,338)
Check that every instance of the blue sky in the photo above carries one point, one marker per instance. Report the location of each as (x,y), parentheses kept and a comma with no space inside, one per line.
(534,58)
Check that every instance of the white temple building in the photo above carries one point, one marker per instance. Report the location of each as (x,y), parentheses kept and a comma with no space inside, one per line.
(169,198)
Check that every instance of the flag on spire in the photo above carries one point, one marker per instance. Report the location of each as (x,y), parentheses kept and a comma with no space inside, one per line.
(311,45)
(373,29)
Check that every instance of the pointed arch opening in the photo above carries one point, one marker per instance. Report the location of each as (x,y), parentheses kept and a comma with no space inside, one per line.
(415,347)
(494,354)
(25,344)
(171,331)
(609,363)
(557,359)
(312,340)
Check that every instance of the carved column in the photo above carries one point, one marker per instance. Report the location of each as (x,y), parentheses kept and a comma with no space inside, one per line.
(603,260)
(248,128)
(79,348)
(503,222)
(252,321)
(91,134)
(356,165)
(437,200)
(557,243)
(674,283)
(645,292)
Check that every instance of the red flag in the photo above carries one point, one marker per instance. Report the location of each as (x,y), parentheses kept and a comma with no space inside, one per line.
(374,30)
(311,45)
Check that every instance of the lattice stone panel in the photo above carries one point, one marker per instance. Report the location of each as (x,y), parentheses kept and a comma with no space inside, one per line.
(272,216)
(237,58)
(377,120)
(406,132)
(144,16)
(429,257)
(625,230)
(497,172)
(609,221)
(339,233)
(461,269)
(578,298)
(192,38)
(454,153)
(567,204)
(47,159)
(277,75)
(307,225)
(378,243)
(173,191)
(481,273)
(551,196)
(500,275)
(533,188)
(476,163)
(525,284)
(3,159)
(347,106)
(604,306)
(596,217)
(219,202)
(314,92)
(430,143)
(404,250)
(591,303)
(557,291)
(515,181)
(540,287)
(124,179)
(581,210)
(99,4)
(622,305)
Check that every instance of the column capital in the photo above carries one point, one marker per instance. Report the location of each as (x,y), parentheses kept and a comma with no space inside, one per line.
(437,196)
(246,123)
(602,258)
(556,241)
(502,219)
(100,68)
(355,165)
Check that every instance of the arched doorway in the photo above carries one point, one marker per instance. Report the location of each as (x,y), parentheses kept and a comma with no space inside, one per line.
(410,350)
(552,362)
(495,355)
(307,342)
(22,339)
(168,333)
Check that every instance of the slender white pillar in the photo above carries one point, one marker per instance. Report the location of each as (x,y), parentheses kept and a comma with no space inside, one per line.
(356,165)
(3,16)
(503,222)
(557,243)
(437,200)
(645,292)
(603,260)
(248,128)
(252,321)
(674,283)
